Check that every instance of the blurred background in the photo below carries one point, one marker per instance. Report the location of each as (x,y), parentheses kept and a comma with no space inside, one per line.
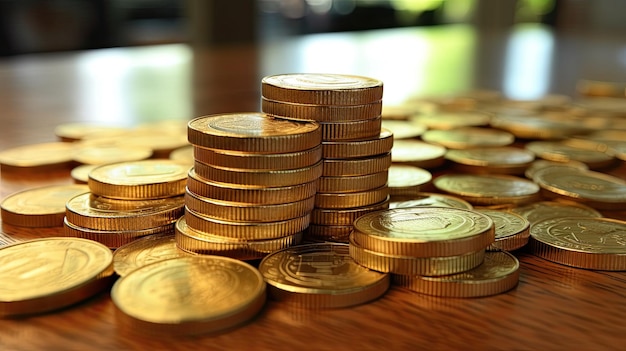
(33,26)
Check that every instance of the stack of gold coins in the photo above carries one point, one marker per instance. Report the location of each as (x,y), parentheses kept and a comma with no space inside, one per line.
(128,200)
(356,150)
(426,248)
(253,184)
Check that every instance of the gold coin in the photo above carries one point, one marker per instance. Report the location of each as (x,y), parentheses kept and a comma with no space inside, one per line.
(189,295)
(144,251)
(253,132)
(344,217)
(607,105)
(595,88)
(483,189)
(113,238)
(5,239)
(332,233)
(512,230)
(356,166)
(583,242)
(96,212)
(352,130)
(350,184)
(39,207)
(491,160)
(498,273)
(424,231)
(468,137)
(43,155)
(407,109)
(559,151)
(403,179)
(538,211)
(449,120)
(598,190)
(80,174)
(417,153)
(537,126)
(425,199)
(238,159)
(266,178)
(403,129)
(411,265)
(321,113)
(97,155)
(615,148)
(193,241)
(320,276)
(350,200)
(322,89)
(41,275)
(183,154)
(249,193)
(246,230)
(343,149)
(246,212)
(78,131)
(148,179)
(540,164)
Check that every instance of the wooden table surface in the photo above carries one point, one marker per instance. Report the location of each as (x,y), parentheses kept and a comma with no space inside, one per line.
(553,307)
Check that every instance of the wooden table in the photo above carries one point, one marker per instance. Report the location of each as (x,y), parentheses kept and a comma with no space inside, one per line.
(553,307)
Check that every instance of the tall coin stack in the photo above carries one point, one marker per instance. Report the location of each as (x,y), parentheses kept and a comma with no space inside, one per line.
(128,200)
(356,151)
(253,184)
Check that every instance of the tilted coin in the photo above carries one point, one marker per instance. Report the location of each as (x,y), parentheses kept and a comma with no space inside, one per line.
(320,276)
(322,89)
(512,230)
(253,132)
(483,189)
(147,179)
(419,199)
(584,242)
(189,295)
(143,251)
(468,137)
(39,207)
(595,189)
(41,275)
(424,231)
(498,273)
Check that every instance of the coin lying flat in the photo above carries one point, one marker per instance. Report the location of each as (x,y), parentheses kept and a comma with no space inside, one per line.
(403,179)
(564,152)
(595,189)
(491,160)
(414,199)
(320,276)
(449,120)
(584,242)
(468,137)
(77,131)
(404,129)
(538,211)
(424,231)
(322,89)
(37,156)
(97,155)
(39,207)
(498,273)
(147,179)
(189,295)
(488,189)
(539,164)
(417,153)
(253,132)
(46,274)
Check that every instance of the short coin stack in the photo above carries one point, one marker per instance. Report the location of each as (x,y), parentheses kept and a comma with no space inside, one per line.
(356,150)
(418,242)
(253,184)
(128,200)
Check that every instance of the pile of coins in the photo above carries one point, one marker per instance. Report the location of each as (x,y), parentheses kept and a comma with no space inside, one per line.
(253,184)
(356,151)
(128,200)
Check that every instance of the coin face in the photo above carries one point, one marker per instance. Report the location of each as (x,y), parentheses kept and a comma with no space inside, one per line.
(453,120)
(428,200)
(424,224)
(492,157)
(563,152)
(539,211)
(467,137)
(583,234)
(144,251)
(504,188)
(37,155)
(418,153)
(316,81)
(505,223)
(249,124)
(43,268)
(402,176)
(140,172)
(403,129)
(204,291)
